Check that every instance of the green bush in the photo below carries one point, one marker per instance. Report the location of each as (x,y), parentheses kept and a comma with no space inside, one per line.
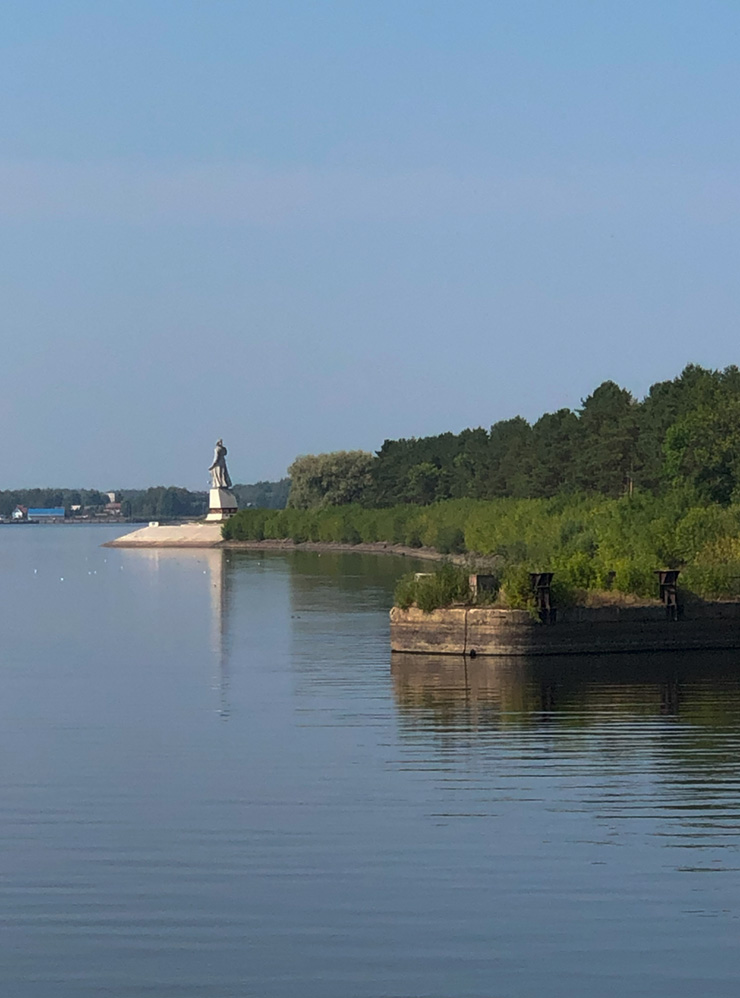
(719,581)
(413,538)
(635,578)
(563,594)
(578,571)
(449,540)
(443,587)
(516,589)
(405,591)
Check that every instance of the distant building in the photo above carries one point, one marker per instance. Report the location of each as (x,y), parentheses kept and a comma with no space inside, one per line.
(46,515)
(19,513)
(111,496)
(113,508)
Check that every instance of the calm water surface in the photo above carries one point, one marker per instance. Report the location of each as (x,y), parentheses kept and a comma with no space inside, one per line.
(214,782)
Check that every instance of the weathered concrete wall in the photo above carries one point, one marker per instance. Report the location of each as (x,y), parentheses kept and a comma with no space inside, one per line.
(488,631)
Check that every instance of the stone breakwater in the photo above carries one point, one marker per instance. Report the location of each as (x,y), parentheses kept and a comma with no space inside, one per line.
(583,630)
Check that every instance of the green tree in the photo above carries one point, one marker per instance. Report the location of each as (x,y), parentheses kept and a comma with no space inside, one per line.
(555,445)
(510,459)
(665,404)
(333,479)
(703,450)
(606,440)
(423,483)
(471,464)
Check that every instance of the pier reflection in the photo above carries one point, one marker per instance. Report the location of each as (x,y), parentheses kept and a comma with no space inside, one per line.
(460,693)
(188,573)
(684,708)
(633,738)
(219,576)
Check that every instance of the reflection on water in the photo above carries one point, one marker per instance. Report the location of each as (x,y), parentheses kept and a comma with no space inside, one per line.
(450,692)
(442,827)
(216,565)
(218,578)
(654,736)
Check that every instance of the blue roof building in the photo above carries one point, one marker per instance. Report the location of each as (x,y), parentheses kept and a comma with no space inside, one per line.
(55,513)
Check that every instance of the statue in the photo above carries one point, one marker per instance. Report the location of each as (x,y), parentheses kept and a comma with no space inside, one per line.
(219,472)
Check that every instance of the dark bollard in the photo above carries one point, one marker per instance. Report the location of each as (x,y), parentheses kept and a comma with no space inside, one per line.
(668,582)
(541,582)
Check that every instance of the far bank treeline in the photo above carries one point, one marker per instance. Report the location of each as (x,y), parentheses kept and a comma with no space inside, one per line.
(161,502)
(685,432)
(604,495)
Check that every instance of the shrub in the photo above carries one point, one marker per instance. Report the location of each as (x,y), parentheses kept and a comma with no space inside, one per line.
(445,586)
(712,581)
(516,589)
(578,571)
(632,577)
(405,591)
(449,540)
(413,538)
(350,534)
(563,594)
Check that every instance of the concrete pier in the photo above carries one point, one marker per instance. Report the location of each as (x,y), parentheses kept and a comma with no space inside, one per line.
(477,631)
(178,535)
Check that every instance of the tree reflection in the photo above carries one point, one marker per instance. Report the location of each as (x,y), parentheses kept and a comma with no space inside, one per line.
(698,692)
(440,690)
(658,735)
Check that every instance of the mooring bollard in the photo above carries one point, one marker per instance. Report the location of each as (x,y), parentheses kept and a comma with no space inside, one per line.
(668,583)
(541,582)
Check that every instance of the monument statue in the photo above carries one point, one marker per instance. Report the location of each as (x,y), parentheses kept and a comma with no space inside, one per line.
(219,472)
(222,502)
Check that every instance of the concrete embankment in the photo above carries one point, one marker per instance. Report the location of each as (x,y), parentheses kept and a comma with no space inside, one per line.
(179,535)
(196,535)
(582,630)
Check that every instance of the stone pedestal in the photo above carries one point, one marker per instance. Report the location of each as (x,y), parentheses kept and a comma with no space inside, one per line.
(222,505)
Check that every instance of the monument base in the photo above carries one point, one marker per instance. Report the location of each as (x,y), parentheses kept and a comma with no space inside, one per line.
(222,505)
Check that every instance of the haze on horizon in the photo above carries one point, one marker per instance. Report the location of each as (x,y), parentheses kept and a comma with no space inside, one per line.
(309,227)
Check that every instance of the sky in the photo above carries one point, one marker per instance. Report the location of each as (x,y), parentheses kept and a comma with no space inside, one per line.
(313,225)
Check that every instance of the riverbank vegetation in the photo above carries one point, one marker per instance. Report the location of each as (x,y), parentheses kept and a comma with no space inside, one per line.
(589,542)
(602,496)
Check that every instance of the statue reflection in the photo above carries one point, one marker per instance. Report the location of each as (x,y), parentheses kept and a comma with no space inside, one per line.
(204,567)
(218,570)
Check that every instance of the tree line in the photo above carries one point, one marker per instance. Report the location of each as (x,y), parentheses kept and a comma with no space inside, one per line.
(685,433)
(263,495)
(170,503)
(49,499)
(161,502)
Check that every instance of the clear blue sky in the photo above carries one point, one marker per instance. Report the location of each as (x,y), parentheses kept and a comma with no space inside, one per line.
(310,225)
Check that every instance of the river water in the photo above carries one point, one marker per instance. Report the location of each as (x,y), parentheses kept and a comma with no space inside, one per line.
(214,782)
